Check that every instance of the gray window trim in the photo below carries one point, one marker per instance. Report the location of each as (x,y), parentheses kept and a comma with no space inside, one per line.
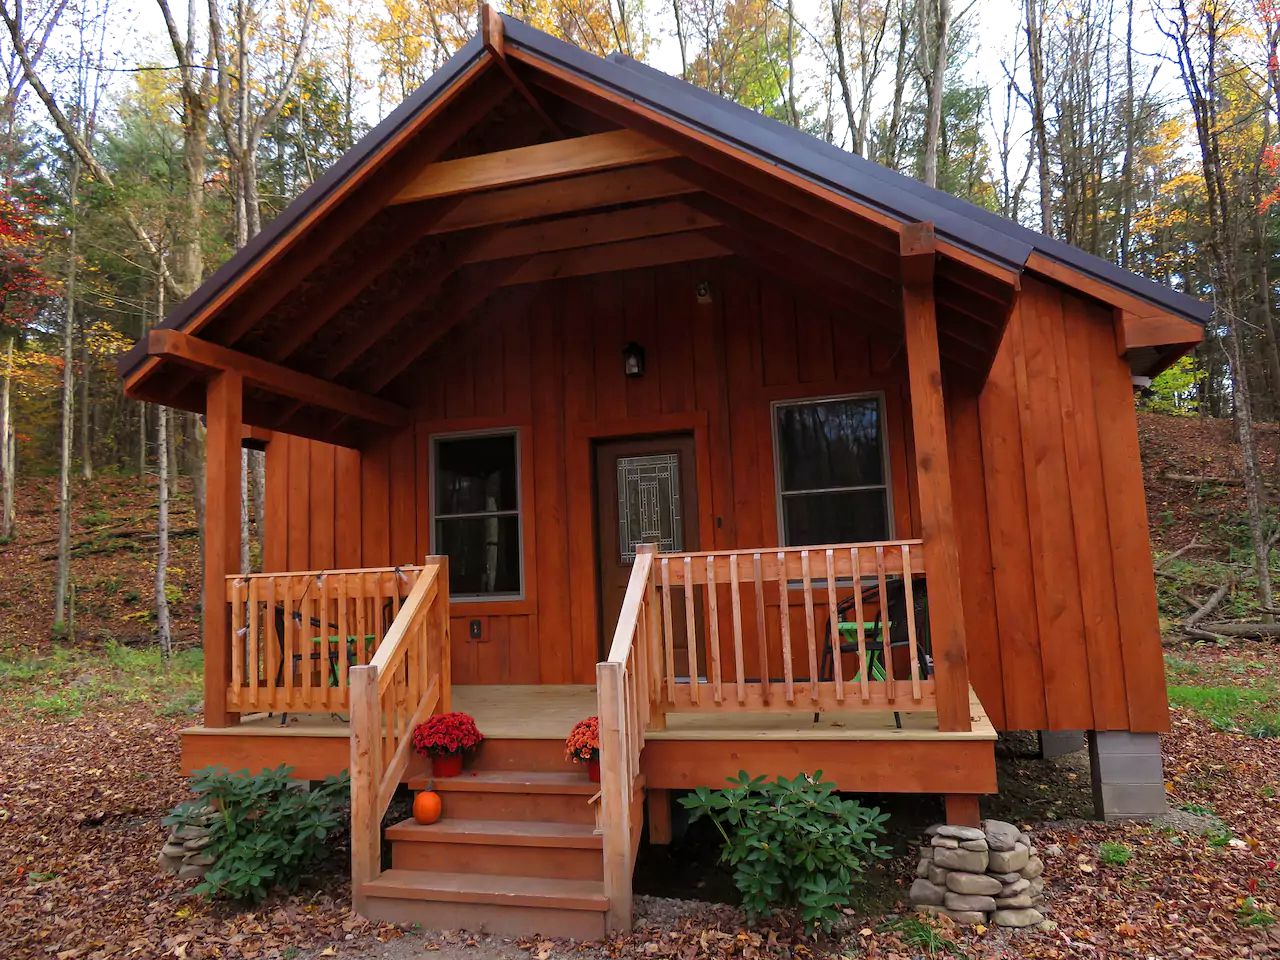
(518,512)
(780,494)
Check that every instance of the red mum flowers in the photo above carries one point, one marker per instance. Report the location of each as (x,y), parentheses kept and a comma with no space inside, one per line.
(583,742)
(445,734)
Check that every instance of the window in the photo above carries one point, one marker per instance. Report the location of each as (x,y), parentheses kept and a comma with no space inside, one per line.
(832,478)
(476,488)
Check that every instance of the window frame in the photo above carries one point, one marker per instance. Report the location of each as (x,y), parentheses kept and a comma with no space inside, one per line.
(780,495)
(434,441)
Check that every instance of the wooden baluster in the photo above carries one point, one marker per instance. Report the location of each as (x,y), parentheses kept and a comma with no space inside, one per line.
(288,601)
(271,644)
(833,617)
(253,644)
(887,651)
(735,597)
(362,613)
(690,631)
(762,636)
(239,641)
(305,646)
(667,633)
(331,659)
(810,631)
(345,634)
(784,618)
(713,633)
(861,621)
(908,592)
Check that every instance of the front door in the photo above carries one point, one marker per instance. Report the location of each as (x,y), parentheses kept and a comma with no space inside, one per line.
(646,492)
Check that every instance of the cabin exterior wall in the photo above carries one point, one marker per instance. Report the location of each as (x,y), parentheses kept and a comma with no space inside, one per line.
(548,361)
(1056,568)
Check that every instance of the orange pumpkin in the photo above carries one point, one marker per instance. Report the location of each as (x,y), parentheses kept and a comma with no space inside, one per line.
(426,806)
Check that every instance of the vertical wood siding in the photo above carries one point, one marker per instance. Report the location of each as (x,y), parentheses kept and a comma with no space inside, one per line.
(1059,602)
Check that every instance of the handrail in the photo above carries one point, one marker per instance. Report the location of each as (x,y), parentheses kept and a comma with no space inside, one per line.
(723,648)
(626,691)
(407,681)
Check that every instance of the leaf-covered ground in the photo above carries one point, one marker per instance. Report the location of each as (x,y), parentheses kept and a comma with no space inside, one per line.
(82,792)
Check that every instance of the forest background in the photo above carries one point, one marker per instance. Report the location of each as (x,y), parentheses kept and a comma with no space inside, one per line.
(142,143)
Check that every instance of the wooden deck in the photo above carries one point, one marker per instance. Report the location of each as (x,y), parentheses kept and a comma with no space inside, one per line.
(863,749)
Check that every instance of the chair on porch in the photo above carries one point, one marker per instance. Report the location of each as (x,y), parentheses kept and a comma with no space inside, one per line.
(895,622)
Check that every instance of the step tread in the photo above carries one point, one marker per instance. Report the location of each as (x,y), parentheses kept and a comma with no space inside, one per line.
(524,833)
(486,888)
(510,781)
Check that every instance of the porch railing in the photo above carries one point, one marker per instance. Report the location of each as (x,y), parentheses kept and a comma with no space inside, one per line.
(625,689)
(407,681)
(296,636)
(759,629)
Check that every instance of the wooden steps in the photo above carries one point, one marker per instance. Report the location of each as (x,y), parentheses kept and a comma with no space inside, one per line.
(515,852)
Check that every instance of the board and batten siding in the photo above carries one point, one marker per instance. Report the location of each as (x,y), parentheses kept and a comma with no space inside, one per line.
(1044,463)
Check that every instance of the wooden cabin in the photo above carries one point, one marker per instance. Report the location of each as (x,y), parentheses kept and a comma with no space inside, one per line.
(583,392)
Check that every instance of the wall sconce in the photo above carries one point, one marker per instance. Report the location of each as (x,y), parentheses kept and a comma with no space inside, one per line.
(703,292)
(633,360)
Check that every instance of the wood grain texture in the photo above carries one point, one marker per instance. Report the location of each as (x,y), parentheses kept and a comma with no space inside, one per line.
(550,365)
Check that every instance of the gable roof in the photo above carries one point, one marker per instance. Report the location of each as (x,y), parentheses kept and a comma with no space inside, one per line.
(897,197)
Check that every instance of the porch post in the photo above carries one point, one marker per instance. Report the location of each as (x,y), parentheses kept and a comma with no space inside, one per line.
(224,424)
(933,478)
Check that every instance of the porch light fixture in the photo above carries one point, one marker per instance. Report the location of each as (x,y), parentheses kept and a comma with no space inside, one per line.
(633,360)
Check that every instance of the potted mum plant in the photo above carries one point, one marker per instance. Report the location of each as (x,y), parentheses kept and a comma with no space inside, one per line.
(583,746)
(445,738)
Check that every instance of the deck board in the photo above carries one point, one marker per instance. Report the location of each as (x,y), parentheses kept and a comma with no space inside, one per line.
(530,712)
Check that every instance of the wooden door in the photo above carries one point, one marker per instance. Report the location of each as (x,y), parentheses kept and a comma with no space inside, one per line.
(646,492)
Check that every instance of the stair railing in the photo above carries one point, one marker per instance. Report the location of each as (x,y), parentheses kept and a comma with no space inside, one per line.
(626,690)
(407,681)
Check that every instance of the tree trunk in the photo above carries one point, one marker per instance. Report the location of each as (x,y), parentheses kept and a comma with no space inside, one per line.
(7,466)
(937,83)
(63,576)
(164,633)
(86,443)
(1035,56)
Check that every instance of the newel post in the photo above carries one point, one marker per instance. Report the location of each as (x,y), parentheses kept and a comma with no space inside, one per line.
(933,477)
(365,771)
(224,420)
(615,801)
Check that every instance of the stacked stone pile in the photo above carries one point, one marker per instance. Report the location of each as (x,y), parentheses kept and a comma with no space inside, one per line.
(987,874)
(185,852)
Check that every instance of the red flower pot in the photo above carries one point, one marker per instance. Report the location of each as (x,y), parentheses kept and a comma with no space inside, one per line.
(593,770)
(446,765)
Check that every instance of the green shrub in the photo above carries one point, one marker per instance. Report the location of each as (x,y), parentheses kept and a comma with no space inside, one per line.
(1114,854)
(792,843)
(272,830)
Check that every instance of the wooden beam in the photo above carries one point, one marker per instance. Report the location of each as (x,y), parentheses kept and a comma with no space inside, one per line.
(933,478)
(1158,330)
(627,255)
(632,223)
(542,161)
(224,404)
(607,189)
(274,378)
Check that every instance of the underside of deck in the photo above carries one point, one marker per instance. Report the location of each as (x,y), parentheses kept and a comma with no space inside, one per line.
(859,750)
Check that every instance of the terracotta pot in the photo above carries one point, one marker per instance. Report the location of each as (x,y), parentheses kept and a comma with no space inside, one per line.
(446,765)
(593,770)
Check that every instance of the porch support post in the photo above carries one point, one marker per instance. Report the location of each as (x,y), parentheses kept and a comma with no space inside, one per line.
(933,478)
(223,415)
